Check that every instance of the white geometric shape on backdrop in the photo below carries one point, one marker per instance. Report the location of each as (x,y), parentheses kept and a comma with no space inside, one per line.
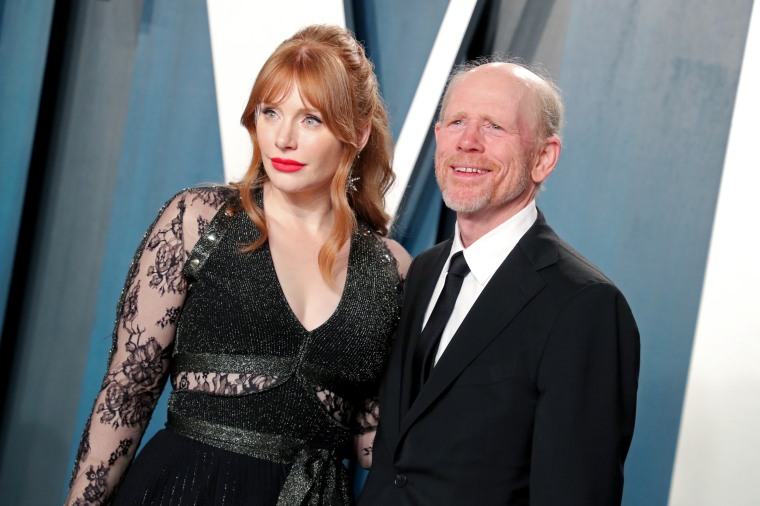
(243,35)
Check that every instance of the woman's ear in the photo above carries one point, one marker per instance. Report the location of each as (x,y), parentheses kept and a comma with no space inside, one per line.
(364,135)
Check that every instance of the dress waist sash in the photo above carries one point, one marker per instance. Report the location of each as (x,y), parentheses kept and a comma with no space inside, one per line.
(317,475)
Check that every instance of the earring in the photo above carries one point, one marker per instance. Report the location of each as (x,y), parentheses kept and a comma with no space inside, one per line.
(351,180)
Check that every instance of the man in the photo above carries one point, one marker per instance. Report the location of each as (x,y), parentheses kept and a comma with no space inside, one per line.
(528,394)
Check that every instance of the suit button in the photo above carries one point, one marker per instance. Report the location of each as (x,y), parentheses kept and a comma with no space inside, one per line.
(400,480)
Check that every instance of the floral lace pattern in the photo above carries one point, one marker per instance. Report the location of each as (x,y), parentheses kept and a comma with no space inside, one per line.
(166,272)
(132,390)
(336,406)
(143,339)
(97,478)
(368,418)
(233,384)
(144,332)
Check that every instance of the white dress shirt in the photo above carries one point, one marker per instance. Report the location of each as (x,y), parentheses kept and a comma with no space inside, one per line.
(483,257)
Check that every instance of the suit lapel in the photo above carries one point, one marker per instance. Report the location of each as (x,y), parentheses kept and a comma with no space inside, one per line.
(513,285)
(419,288)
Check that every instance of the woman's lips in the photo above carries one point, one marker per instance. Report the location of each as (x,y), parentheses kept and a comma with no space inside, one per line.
(286,165)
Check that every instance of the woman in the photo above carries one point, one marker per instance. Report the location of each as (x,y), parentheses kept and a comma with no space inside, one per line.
(270,303)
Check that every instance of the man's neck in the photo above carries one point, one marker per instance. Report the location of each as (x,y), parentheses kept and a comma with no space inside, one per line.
(473,226)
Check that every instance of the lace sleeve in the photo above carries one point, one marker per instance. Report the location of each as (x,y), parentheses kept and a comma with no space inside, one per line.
(143,337)
(367,419)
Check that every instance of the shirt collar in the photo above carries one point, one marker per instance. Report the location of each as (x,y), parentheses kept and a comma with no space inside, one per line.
(486,254)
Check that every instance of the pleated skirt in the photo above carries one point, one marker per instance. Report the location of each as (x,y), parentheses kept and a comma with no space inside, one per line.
(173,470)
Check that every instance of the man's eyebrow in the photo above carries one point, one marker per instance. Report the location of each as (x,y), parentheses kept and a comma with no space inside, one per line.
(454,116)
(485,117)
(491,119)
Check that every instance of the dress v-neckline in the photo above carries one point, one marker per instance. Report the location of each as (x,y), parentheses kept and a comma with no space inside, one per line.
(284,298)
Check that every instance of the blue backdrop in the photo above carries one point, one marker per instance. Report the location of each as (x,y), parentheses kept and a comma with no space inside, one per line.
(649,89)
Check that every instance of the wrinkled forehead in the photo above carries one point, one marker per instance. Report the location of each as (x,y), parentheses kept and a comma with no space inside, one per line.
(496,91)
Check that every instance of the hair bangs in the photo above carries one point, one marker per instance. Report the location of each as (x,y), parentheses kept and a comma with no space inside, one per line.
(274,85)
(333,76)
(331,97)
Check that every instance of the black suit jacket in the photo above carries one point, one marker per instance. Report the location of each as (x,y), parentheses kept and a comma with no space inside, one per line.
(533,401)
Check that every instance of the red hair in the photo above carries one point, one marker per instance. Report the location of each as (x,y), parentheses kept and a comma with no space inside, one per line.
(334,76)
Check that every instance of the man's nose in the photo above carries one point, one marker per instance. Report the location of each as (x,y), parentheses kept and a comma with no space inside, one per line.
(471,138)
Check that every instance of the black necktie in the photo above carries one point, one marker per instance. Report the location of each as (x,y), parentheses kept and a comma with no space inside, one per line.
(427,343)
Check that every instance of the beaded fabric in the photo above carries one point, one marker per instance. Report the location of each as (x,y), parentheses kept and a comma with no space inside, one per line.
(247,376)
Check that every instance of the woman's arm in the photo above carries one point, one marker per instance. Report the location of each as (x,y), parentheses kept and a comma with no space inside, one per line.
(368,416)
(367,420)
(143,337)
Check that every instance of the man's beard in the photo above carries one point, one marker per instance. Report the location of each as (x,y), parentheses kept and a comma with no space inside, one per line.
(487,197)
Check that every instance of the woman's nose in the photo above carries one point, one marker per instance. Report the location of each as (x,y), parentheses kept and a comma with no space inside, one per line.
(286,137)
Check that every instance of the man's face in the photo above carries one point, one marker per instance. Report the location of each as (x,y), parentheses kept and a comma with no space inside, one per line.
(485,143)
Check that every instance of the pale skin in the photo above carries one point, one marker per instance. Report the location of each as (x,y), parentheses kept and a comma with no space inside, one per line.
(299,215)
(489,156)
(298,208)
(296,234)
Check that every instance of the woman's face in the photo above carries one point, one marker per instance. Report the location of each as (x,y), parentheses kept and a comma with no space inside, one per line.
(300,154)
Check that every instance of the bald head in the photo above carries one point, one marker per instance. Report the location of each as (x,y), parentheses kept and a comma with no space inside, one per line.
(540,97)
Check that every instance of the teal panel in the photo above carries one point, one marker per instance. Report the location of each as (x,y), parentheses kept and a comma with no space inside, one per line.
(171,141)
(24,35)
(649,89)
(398,35)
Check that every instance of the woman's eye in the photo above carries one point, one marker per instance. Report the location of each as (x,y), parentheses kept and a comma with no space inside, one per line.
(268,112)
(312,120)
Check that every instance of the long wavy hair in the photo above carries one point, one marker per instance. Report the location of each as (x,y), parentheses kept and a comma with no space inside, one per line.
(333,75)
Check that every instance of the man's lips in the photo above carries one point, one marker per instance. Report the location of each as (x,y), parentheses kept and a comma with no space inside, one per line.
(469,165)
(285,165)
(470,170)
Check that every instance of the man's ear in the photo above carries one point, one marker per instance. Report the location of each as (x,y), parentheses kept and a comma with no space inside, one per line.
(364,135)
(546,159)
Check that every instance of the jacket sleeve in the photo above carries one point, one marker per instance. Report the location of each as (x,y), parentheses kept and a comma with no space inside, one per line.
(587,384)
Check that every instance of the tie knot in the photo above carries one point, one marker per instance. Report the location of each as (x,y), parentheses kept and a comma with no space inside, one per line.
(458,265)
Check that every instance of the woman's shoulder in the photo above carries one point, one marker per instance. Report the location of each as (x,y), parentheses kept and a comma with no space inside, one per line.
(202,201)
(213,196)
(403,258)
(397,251)
(192,209)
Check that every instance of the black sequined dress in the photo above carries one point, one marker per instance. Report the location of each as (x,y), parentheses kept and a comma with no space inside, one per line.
(262,410)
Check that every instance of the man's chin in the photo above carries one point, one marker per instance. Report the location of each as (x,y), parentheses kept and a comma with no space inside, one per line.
(464,205)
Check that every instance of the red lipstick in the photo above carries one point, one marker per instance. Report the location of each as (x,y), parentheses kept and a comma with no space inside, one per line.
(285,165)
